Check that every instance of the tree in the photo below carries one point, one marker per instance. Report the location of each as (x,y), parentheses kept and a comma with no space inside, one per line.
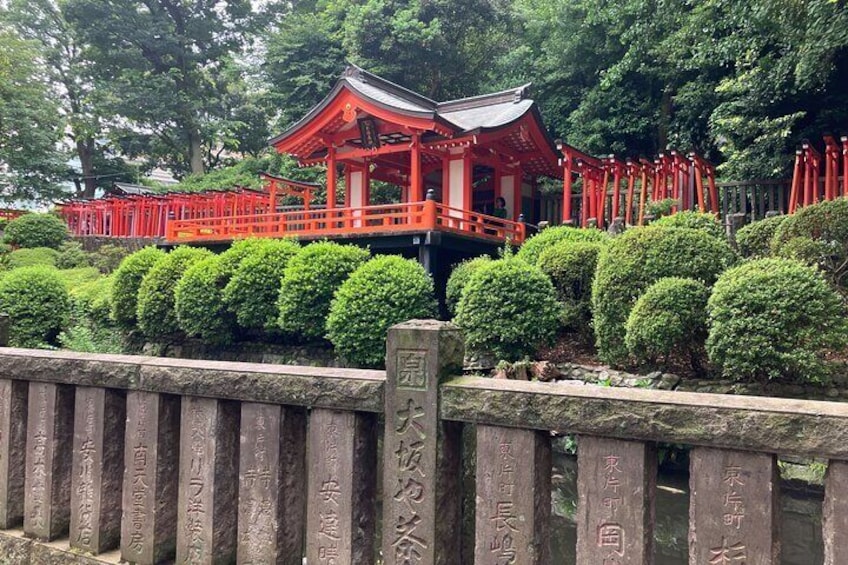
(170,67)
(67,69)
(30,163)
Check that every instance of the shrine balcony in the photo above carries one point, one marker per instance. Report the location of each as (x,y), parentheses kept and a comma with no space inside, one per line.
(340,223)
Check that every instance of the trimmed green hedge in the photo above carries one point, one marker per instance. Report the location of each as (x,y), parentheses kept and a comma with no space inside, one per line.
(254,287)
(635,260)
(774,318)
(128,278)
(826,223)
(459,277)
(754,240)
(571,267)
(36,230)
(670,317)
(311,278)
(533,247)
(694,220)
(155,314)
(384,291)
(508,308)
(37,302)
(72,256)
(31,257)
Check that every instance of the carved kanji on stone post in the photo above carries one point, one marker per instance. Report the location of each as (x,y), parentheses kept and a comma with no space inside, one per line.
(421,473)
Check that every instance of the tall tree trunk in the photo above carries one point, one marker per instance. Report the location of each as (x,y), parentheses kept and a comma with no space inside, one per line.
(195,152)
(85,152)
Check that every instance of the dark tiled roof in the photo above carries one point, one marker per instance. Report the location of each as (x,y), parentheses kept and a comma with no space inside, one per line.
(131,189)
(477,113)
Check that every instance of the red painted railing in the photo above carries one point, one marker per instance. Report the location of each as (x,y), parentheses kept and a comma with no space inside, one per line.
(340,222)
(10,214)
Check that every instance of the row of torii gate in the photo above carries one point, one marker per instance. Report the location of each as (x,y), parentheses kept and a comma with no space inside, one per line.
(609,188)
(610,185)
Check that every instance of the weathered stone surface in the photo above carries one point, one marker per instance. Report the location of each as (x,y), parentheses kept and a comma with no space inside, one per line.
(272,489)
(343,389)
(151,463)
(733,507)
(207,514)
(814,428)
(13,407)
(340,512)
(422,465)
(98,466)
(615,490)
(835,514)
(513,496)
(47,499)
(14,548)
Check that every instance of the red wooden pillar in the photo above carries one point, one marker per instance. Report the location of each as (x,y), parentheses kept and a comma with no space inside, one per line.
(844,140)
(616,187)
(602,198)
(446,183)
(631,185)
(831,171)
(643,190)
(468,181)
(331,178)
(416,185)
(347,185)
(566,188)
(366,183)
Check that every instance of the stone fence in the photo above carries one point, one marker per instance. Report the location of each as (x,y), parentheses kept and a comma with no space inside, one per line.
(149,460)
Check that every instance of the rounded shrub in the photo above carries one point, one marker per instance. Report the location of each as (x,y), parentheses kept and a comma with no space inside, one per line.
(252,292)
(754,239)
(72,256)
(31,257)
(670,317)
(93,300)
(78,277)
(199,296)
(108,258)
(772,318)
(533,247)
(459,277)
(508,308)
(311,278)
(661,208)
(382,292)
(155,312)
(571,268)
(36,230)
(37,302)
(827,224)
(693,220)
(128,278)
(630,263)
(811,252)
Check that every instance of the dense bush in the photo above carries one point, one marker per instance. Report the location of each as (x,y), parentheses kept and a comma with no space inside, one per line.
(754,240)
(78,277)
(31,257)
(155,312)
(36,300)
(825,223)
(772,318)
(811,252)
(128,278)
(571,268)
(254,287)
(670,317)
(36,230)
(508,308)
(200,306)
(635,260)
(459,277)
(384,291)
(694,220)
(309,282)
(108,257)
(91,328)
(661,208)
(72,256)
(533,247)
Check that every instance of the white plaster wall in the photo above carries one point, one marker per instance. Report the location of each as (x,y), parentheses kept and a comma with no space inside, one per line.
(508,193)
(455,180)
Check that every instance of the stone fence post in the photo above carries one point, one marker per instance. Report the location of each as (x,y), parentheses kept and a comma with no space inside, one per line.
(5,322)
(422,465)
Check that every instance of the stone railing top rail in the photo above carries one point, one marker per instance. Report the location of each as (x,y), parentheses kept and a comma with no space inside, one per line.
(325,387)
(773,425)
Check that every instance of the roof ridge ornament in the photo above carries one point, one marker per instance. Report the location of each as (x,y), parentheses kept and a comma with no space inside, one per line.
(521,93)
